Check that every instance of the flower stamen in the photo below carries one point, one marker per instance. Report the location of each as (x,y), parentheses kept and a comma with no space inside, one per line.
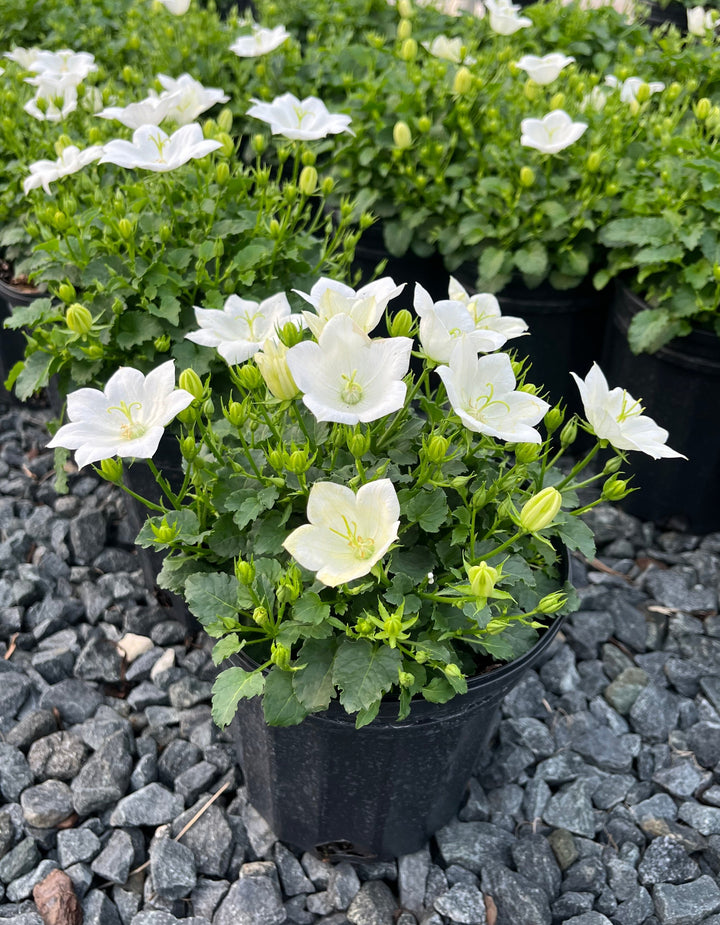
(352,392)
(131,430)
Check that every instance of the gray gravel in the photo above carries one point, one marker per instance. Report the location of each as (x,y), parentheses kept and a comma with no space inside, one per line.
(600,802)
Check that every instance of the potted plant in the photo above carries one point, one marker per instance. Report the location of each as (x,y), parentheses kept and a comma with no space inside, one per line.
(686,15)
(665,255)
(378,553)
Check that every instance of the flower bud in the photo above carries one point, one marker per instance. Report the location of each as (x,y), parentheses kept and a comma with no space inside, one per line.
(643,93)
(526,453)
(222,173)
(527,176)
(308,181)
(78,319)
(308,158)
(531,90)
(557,101)
(401,324)
(364,626)
(463,82)
(452,671)
(358,444)
(424,124)
(612,465)
(236,413)
(125,228)
(66,292)
(260,616)
(594,161)
(436,448)
(225,119)
(112,470)
(188,448)
(258,143)
(420,656)
(61,143)
(165,533)
(405,9)
(244,572)
(402,136)
(553,419)
(60,220)
(406,679)
(297,461)
(228,145)
(208,408)
(568,434)
(634,106)
(162,343)
(702,108)
(404,29)
(482,579)
(250,377)
(615,489)
(191,382)
(409,50)
(327,186)
(276,460)
(165,232)
(479,499)
(716,272)
(274,228)
(539,512)
(280,655)
(272,363)
(553,602)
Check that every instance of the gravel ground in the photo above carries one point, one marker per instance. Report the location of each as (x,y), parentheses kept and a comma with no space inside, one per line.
(601,802)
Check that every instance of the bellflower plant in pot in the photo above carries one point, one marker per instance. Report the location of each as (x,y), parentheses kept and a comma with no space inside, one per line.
(379,553)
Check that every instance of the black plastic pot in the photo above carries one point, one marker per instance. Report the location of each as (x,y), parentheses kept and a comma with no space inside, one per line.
(673,14)
(12,343)
(380,791)
(567,328)
(680,388)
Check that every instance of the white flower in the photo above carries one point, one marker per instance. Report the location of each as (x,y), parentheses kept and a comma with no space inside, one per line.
(23,56)
(552,133)
(150,111)
(73,65)
(485,311)
(503,17)
(56,105)
(545,69)
(700,20)
(177,7)
(152,149)
(595,99)
(43,173)
(126,419)
(347,377)
(617,417)
(272,363)
(260,42)
(447,49)
(482,393)
(186,98)
(365,307)
(299,119)
(444,323)
(348,533)
(242,326)
(629,88)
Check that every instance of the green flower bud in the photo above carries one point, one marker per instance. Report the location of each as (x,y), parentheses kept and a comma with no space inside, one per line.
(111,470)
(405,9)
(424,124)
(482,579)
(615,489)
(526,453)
(165,232)
(327,186)
(463,82)
(409,50)
(280,655)
(308,158)
(436,448)
(404,29)
(191,382)
(162,343)
(479,499)
(420,656)
(401,323)
(208,408)
(165,533)
(568,434)
(643,93)
(308,181)
(527,176)
(392,625)
(594,161)
(275,228)
(94,351)
(553,602)
(236,413)
(298,462)
(406,679)
(539,512)
(125,228)
(702,108)
(553,419)
(402,137)
(276,460)
(452,671)
(260,616)
(557,101)
(364,626)
(244,572)
(78,319)
(531,90)
(60,220)
(228,145)
(66,292)
(358,444)
(225,119)
(61,143)
(612,465)
(258,143)
(222,173)
(716,272)
(188,448)
(250,377)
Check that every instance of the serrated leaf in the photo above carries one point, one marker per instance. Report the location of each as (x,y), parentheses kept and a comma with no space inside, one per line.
(532,260)
(576,534)
(215,595)
(621,232)
(364,717)
(653,328)
(28,315)
(511,643)
(313,685)
(491,262)
(364,672)
(310,609)
(439,690)
(229,645)
(428,509)
(247,503)
(230,687)
(34,375)
(280,705)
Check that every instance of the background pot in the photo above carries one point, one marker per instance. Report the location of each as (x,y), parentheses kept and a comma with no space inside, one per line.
(12,343)
(380,791)
(674,14)
(680,388)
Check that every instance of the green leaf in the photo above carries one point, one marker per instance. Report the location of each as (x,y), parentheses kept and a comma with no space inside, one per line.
(229,645)
(225,539)
(532,260)
(653,328)
(364,672)
(28,315)
(230,687)
(621,232)
(439,690)
(367,716)
(313,685)
(247,503)
(310,609)
(280,705)
(397,237)
(215,595)
(428,509)
(185,521)
(491,262)
(511,643)
(576,534)
(34,375)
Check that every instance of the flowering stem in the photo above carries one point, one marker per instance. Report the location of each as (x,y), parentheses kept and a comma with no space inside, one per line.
(578,467)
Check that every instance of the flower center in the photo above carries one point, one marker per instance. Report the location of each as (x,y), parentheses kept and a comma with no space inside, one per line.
(362,547)
(300,114)
(352,392)
(250,321)
(630,408)
(160,145)
(477,406)
(129,429)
